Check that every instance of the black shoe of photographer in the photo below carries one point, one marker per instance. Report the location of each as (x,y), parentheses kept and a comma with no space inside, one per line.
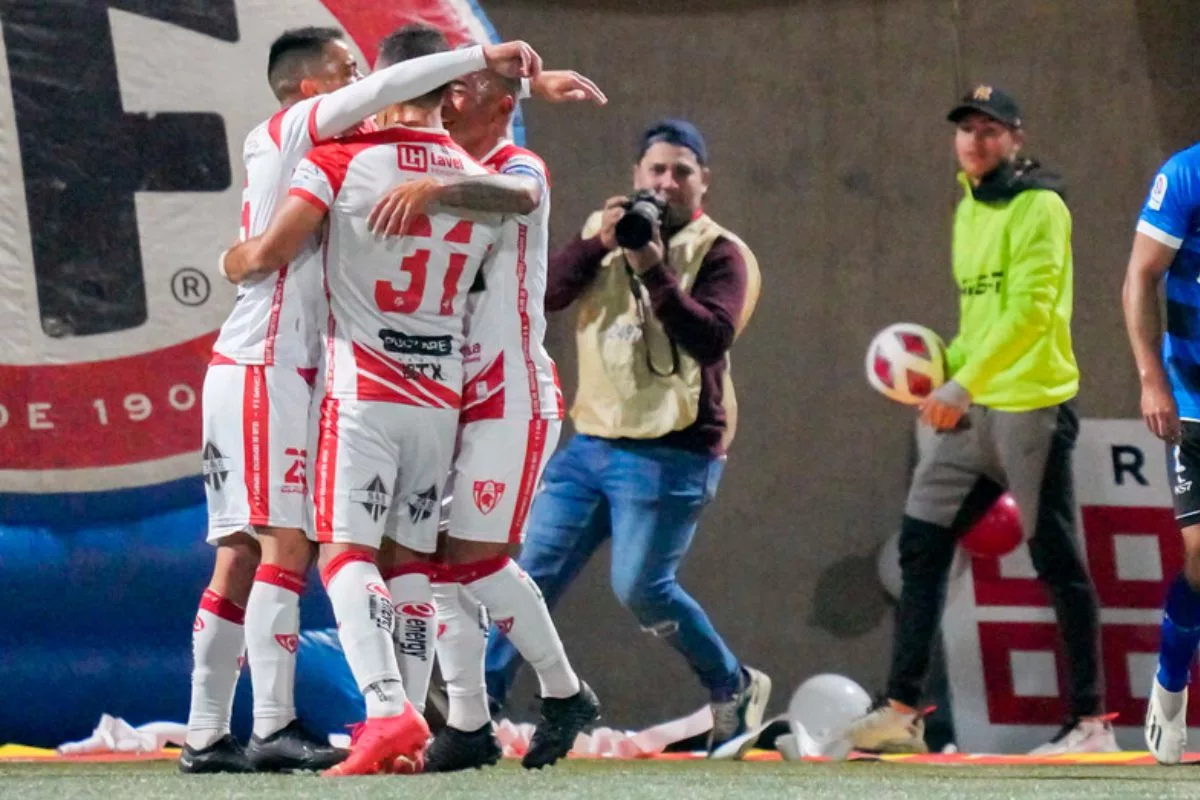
(291,749)
(562,720)
(223,755)
(453,750)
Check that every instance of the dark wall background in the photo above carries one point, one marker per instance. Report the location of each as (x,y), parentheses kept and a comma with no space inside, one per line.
(831,157)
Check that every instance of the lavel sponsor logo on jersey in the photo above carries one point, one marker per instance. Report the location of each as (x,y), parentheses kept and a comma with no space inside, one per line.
(114,300)
(412,157)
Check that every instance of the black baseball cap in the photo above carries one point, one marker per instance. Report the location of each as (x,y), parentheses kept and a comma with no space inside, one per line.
(678,132)
(991,101)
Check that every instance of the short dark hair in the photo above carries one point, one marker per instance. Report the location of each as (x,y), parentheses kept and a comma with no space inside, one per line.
(294,55)
(503,85)
(413,41)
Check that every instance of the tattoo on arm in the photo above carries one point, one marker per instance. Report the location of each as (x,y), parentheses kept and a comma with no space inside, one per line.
(504,194)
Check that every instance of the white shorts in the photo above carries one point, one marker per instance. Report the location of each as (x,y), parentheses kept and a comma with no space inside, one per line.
(496,473)
(379,471)
(255,448)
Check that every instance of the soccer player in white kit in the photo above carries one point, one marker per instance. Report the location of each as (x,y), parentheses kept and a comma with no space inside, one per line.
(255,411)
(511,418)
(392,382)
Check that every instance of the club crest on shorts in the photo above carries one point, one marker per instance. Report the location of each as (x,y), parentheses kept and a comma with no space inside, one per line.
(487,495)
(421,505)
(373,497)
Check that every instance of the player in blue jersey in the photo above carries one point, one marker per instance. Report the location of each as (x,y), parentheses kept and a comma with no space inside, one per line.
(1167,244)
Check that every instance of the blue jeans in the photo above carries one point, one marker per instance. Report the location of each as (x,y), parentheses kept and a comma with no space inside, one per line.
(648,498)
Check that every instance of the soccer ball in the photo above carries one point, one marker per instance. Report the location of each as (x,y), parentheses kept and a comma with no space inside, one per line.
(906,362)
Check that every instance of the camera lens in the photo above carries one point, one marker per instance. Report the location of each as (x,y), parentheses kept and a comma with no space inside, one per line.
(635,229)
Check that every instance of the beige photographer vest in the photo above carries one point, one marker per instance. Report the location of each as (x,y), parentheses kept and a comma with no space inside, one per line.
(619,396)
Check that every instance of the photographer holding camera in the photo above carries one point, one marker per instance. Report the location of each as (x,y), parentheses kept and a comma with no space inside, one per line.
(663,291)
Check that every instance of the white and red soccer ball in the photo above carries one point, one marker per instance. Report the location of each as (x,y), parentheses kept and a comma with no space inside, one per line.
(905,362)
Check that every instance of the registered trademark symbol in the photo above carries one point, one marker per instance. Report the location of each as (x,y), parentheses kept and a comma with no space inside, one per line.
(190,286)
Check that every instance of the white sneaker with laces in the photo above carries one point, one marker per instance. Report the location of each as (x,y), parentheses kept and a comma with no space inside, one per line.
(1081,735)
(743,712)
(888,730)
(1166,734)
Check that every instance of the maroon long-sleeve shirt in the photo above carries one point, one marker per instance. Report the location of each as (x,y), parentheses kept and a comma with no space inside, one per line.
(701,323)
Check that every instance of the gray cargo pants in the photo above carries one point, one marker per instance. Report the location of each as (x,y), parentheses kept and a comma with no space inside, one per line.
(959,475)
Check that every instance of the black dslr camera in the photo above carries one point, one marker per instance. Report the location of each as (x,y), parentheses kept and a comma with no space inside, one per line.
(643,210)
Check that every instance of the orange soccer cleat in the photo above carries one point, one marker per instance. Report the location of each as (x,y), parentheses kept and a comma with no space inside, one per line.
(382,741)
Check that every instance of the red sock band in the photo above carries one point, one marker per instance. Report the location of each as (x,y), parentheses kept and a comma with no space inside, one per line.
(278,576)
(218,606)
(341,560)
(474,571)
(413,568)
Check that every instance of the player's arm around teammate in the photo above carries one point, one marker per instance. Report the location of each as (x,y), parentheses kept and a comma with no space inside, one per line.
(1166,251)
(509,424)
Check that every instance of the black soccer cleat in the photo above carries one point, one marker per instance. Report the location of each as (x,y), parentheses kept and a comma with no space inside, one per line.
(223,755)
(292,748)
(562,720)
(454,750)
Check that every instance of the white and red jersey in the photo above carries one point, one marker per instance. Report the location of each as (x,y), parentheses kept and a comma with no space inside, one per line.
(508,372)
(396,306)
(276,320)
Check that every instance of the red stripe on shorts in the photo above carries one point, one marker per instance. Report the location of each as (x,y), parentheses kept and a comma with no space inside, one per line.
(256,418)
(535,445)
(327,447)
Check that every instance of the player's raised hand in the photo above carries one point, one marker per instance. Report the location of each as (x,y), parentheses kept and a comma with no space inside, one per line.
(566,86)
(513,59)
(396,211)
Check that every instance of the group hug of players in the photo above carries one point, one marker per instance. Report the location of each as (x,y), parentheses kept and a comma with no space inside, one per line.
(380,400)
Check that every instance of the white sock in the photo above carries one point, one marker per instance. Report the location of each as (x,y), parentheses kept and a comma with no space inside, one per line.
(272,638)
(413,635)
(363,609)
(218,641)
(461,641)
(517,608)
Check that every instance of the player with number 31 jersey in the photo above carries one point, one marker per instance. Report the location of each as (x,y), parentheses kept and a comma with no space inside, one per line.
(393,372)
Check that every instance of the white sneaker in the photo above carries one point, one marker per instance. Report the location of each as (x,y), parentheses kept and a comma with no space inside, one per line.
(886,730)
(1166,737)
(1081,735)
(743,712)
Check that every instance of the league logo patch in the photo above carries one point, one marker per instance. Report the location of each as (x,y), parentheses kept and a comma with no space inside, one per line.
(1158,193)
(487,495)
(422,504)
(373,497)
(216,467)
